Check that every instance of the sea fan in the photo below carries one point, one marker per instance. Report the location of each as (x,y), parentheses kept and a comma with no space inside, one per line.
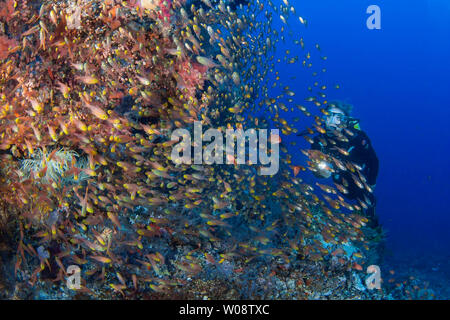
(57,166)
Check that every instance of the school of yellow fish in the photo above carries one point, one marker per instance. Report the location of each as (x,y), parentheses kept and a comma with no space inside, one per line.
(89,93)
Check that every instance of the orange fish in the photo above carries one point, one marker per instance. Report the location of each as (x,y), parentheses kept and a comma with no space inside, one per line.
(337,252)
(296,169)
(357,266)
(88,79)
(101,259)
(96,111)
(275,139)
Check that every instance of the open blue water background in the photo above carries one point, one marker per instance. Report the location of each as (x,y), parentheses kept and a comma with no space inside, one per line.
(398,79)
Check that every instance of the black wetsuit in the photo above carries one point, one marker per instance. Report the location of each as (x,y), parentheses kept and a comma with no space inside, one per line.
(361,153)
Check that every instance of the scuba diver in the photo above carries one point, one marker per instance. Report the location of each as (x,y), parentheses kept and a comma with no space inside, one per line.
(344,140)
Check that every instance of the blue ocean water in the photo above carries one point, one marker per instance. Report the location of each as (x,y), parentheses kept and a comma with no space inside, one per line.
(397,80)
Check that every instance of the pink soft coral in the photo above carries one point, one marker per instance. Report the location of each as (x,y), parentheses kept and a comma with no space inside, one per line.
(191,76)
(161,7)
(165,9)
(6,44)
(6,10)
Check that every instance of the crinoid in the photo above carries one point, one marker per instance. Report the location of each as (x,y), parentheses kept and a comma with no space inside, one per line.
(54,166)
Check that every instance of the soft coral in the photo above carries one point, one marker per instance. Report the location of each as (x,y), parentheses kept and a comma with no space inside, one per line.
(164,6)
(6,44)
(191,76)
(7,10)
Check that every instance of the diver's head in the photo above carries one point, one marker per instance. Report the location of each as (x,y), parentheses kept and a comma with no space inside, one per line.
(335,118)
(338,115)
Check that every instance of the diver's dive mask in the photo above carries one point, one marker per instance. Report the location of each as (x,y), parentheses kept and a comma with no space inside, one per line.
(335,118)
